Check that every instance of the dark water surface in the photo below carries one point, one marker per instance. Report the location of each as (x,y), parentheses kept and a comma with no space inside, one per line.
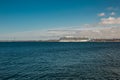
(59,61)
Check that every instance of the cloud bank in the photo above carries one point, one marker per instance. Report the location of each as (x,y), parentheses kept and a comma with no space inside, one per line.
(110,20)
(101,14)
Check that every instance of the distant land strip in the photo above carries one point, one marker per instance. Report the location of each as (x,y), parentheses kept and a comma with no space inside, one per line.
(64,39)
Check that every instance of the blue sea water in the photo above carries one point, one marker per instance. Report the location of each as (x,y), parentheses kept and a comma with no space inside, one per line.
(59,61)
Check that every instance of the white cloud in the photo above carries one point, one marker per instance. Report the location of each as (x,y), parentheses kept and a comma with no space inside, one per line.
(110,20)
(101,14)
(112,13)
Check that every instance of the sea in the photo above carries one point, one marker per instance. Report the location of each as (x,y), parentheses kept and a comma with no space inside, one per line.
(59,61)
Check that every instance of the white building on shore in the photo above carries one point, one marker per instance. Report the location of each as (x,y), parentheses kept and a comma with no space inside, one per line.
(73,39)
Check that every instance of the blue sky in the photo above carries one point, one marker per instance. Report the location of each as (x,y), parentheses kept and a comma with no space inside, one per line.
(31,15)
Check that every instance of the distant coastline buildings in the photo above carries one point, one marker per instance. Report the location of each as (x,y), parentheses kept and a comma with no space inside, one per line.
(84,39)
(73,39)
(69,39)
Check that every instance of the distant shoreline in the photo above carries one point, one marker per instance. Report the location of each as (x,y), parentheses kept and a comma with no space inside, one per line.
(68,39)
(92,40)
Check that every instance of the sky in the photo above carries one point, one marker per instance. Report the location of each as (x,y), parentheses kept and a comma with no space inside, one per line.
(35,19)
